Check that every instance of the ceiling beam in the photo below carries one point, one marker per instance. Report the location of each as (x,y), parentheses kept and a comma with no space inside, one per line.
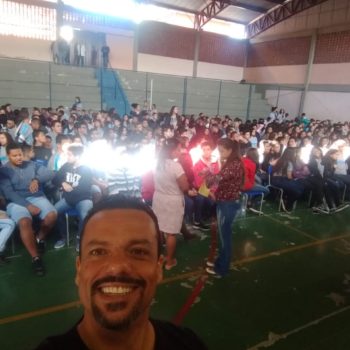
(184,9)
(209,12)
(278,15)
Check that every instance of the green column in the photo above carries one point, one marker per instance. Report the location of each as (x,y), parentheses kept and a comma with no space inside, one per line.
(308,71)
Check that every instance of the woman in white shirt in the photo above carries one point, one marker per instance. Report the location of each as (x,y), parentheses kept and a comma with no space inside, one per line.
(168,200)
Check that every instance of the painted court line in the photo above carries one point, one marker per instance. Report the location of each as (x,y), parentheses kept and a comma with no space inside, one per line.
(40,312)
(199,272)
(273,338)
(289,250)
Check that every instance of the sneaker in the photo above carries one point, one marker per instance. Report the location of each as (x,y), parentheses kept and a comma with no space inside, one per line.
(169,267)
(60,244)
(38,266)
(201,226)
(211,271)
(41,246)
(210,264)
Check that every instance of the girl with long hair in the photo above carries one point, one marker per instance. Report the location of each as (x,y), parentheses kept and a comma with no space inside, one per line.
(283,177)
(334,184)
(318,171)
(229,181)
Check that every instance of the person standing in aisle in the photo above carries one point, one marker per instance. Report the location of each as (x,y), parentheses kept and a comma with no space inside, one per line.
(229,181)
(168,201)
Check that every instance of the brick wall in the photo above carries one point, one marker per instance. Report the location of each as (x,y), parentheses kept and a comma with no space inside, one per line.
(291,51)
(172,41)
(215,48)
(166,40)
(333,48)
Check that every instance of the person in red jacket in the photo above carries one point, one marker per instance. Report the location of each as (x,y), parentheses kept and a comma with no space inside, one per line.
(249,173)
(251,164)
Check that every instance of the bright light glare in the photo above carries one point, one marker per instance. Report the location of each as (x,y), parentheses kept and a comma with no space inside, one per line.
(139,12)
(67,33)
(101,157)
(123,9)
(196,154)
(305,153)
(98,155)
(233,30)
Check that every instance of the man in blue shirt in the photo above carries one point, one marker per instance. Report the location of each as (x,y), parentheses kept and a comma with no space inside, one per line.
(20,182)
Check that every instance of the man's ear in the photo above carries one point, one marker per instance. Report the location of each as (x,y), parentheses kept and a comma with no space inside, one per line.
(77,270)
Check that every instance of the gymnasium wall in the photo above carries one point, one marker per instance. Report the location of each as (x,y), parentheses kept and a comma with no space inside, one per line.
(283,61)
(164,48)
(24,48)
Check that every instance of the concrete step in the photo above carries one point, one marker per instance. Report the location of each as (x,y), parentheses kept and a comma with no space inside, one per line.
(74,81)
(27,102)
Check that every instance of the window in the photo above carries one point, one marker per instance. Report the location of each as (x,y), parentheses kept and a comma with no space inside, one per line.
(27,21)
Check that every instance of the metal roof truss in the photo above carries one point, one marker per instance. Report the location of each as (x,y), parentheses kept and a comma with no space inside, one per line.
(279,14)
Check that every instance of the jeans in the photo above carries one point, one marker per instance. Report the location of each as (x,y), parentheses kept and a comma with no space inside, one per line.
(188,217)
(200,203)
(259,188)
(293,189)
(63,207)
(226,212)
(6,228)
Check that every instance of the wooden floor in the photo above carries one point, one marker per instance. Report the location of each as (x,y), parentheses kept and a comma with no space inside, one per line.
(289,288)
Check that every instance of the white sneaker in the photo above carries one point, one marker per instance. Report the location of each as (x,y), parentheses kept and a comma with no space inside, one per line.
(210,264)
(210,271)
(60,244)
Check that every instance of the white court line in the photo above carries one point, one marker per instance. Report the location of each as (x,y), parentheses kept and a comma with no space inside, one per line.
(274,338)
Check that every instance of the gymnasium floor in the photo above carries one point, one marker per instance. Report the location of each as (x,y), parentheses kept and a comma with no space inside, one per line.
(289,288)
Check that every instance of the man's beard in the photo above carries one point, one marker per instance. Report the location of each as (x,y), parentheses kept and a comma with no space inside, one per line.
(120,324)
(123,323)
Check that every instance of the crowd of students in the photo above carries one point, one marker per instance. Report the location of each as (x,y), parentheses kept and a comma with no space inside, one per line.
(59,161)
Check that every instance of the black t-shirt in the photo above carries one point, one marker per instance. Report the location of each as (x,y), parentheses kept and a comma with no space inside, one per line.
(167,337)
(79,178)
(42,155)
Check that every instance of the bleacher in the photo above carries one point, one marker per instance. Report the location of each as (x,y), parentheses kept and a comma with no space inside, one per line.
(194,95)
(35,83)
